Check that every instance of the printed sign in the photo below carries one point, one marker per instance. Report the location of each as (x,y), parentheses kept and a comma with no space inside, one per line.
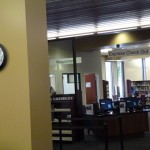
(65,61)
(129,52)
(88,84)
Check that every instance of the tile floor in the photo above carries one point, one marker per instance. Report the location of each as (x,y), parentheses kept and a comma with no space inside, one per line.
(140,142)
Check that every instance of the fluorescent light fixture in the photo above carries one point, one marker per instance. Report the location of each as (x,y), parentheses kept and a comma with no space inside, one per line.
(51,38)
(52,33)
(116,30)
(76,35)
(75,30)
(145,26)
(106,50)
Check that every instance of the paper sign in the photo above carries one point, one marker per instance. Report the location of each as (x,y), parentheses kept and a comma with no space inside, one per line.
(88,84)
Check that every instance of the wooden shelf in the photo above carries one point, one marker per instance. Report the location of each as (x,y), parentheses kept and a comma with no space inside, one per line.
(56,120)
(143,88)
(63,106)
(61,110)
(63,132)
(63,139)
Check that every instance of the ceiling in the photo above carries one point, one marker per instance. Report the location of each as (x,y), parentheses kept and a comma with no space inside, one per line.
(71,18)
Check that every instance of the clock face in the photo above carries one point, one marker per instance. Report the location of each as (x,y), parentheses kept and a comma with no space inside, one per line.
(2,57)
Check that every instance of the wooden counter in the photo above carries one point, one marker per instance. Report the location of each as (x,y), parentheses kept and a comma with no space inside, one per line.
(132,123)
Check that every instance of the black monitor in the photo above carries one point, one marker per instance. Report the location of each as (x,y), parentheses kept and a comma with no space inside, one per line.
(132,103)
(106,105)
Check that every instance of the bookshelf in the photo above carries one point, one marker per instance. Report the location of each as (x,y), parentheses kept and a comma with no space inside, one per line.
(143,88)
(64,107)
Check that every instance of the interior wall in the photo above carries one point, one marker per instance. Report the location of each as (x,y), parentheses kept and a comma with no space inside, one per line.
(91,63)
(39,94)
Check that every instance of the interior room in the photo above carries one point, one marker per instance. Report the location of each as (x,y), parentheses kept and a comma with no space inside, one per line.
(103,61)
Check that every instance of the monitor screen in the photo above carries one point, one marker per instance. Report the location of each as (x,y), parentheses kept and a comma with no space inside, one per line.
(132,103)
(106,104)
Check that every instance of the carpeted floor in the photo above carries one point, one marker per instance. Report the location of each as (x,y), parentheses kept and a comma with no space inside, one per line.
(90,142)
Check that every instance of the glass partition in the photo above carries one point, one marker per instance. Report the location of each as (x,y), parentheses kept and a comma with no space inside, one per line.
(60,61)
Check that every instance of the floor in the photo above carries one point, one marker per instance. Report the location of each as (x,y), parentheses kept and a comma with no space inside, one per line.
(140,142)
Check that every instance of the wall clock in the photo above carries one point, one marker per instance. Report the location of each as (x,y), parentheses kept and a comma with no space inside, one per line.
(3,56)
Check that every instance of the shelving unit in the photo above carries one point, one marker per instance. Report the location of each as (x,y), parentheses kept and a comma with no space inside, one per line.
(143,88)
(63,106)
(105,89)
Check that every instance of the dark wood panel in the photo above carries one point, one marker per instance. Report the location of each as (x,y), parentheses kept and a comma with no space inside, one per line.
(132,123)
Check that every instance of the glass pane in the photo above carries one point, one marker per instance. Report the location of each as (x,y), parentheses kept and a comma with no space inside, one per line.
(60,61)
(147,62)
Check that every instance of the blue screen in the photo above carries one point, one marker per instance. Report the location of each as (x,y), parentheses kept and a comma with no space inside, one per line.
(106,104)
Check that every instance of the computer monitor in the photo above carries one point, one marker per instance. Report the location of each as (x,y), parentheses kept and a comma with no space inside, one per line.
(106,105)
(132,103)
